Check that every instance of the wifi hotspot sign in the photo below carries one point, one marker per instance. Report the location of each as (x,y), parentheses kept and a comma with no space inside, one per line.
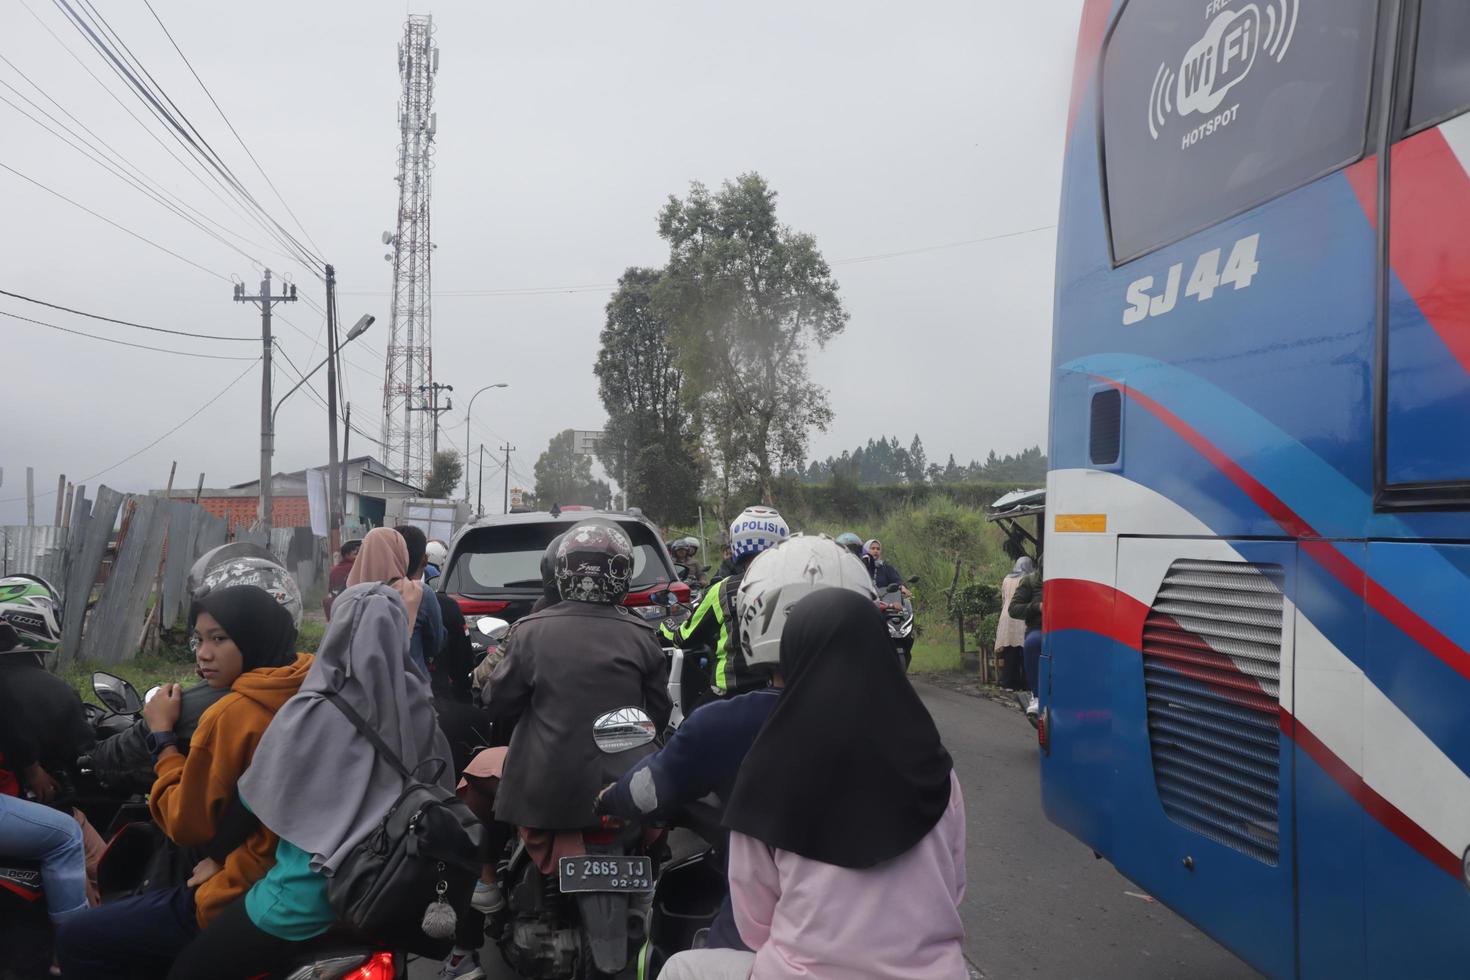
(1234,40)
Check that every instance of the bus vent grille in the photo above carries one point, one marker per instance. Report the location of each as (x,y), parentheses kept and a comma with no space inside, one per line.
(1212,673)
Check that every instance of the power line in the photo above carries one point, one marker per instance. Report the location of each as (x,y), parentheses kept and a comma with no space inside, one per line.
(124,323)
(126,231)
(177,116)
(317,396)
(233,205)
(124,343)
(231,125)
(199,411)
(600,286)
(108,157)
(178,125)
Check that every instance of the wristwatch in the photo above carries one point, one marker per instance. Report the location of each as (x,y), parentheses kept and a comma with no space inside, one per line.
(158,741)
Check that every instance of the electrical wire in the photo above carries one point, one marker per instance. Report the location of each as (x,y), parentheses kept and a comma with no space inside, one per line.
(124,323)
(115,160)
(601,286)
(213,158)
(197,412)
(320,400)
(128,69)
(233,205)
(124,343)
(231,125)
(124,230)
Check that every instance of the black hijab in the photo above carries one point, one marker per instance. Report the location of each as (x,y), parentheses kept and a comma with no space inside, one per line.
(260,626)
(849,769)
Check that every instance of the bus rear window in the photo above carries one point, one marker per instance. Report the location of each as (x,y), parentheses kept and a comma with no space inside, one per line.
(1213,107)
(1442,65)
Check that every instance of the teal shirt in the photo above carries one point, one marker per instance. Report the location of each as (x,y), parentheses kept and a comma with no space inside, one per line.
(290,902)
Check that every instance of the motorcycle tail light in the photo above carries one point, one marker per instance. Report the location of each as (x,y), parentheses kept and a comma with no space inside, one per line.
(380,966)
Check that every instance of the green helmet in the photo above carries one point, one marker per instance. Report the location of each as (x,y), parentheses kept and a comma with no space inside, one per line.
(32,608)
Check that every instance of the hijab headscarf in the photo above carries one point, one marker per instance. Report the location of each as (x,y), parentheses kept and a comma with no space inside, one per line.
(1024,566)
(849,769)
(384,558)
(259,625)
(314,779)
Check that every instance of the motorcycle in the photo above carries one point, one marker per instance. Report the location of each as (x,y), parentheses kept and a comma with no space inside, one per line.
(898,610)
(25,937)
(688,892)
(130,857)
(583,921)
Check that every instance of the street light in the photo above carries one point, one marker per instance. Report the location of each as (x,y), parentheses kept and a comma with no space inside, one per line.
(467,435)
(358,329)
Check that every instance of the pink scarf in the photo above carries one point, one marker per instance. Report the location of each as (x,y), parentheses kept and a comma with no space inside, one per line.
(384,558)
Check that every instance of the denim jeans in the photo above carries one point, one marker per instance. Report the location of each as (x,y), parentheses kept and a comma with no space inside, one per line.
(134,935)
(1033,661)
(35,832)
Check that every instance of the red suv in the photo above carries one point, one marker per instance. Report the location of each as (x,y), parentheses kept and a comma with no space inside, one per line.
(494,565)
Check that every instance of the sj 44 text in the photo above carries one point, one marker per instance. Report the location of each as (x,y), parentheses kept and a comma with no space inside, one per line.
(1240,268)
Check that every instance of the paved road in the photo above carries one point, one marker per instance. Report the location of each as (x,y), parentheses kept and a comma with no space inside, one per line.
(1038,904)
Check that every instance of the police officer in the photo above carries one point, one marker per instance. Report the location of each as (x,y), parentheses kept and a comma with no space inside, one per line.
(713,626)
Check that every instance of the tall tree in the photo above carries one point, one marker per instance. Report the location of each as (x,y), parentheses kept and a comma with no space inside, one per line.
(444,474)
(636,375)
(563,477)
(747,298)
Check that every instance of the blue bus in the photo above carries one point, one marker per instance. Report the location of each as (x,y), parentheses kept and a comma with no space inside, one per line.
(1256,669)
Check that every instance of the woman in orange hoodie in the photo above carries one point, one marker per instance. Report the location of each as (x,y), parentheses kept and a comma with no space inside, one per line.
(245,641)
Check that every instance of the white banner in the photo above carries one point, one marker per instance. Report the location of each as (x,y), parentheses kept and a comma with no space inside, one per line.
(316,500)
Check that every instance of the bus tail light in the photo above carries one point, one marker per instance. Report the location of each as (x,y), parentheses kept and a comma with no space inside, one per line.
(1043,731)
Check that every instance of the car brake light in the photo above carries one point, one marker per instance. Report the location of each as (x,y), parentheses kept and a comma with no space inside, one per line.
(379,967)
(480,607)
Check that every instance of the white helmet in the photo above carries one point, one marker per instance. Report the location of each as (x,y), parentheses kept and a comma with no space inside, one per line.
(437,554)
(755,530)
(783,576)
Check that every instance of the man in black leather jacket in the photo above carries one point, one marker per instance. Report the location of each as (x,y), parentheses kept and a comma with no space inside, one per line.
(126,755)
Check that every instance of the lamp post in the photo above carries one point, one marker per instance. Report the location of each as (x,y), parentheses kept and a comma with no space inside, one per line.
(358,329)
(467,435)
(480,483)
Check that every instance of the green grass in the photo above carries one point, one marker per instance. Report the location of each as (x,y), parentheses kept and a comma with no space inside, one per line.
(933,656)
(165,667)
(309,635)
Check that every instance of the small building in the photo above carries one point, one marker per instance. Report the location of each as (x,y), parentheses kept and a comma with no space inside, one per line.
(370,485)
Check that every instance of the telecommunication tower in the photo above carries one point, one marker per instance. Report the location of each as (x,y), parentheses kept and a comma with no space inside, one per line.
(409,371)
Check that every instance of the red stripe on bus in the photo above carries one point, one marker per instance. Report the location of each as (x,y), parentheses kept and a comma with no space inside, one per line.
(1379,599)
(1428,247)
(1396,821)
(1077,604)
(1090,35)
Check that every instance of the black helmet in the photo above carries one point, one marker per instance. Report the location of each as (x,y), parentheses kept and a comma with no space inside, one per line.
(548,562)
(594,563)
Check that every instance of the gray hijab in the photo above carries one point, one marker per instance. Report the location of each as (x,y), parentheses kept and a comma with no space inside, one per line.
(314,779)
(1024,566)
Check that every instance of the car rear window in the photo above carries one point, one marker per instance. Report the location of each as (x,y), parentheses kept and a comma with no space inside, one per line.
(509,557)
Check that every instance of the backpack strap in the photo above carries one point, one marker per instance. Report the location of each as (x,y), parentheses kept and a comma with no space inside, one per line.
(367,731)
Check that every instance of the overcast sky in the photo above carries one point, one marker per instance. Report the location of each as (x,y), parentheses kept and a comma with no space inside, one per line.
(562,129)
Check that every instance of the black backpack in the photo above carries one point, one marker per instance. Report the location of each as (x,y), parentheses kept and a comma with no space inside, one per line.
(425,852)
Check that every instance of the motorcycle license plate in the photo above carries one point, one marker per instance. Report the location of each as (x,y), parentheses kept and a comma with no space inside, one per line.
(606,873)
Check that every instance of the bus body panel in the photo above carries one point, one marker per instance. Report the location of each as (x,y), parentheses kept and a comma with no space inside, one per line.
(1247,421)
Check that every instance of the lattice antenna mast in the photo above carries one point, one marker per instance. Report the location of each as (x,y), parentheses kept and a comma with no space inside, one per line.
(407,429)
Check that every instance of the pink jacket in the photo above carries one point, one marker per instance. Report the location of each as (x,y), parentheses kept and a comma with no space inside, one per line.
(816,921)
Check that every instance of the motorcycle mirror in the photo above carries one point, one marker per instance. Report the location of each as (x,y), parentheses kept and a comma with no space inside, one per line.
(913,580)
(492,626)
(117,694)
(623,729)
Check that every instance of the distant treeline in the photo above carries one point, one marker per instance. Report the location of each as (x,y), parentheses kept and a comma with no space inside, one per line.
(885,461)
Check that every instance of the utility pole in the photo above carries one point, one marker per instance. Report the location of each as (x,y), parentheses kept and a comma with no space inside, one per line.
(480,486)
(431,404)
(265,301)
(505,507)
(342,485)
(334,517)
